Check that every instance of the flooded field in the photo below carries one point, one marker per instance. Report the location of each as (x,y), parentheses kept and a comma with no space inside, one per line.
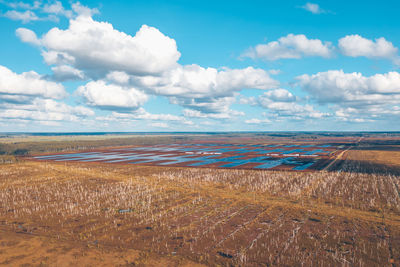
(255,156)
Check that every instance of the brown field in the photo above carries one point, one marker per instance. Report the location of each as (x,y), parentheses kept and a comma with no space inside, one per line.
(390,158)
(85,214)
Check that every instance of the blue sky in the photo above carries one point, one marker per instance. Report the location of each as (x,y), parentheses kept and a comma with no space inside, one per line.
(199,65)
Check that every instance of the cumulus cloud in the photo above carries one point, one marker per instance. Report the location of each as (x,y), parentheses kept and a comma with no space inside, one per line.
(58,9)
(367,113)
(293,110)
(146,61)
(142,114)
(55,8)
(358,46)
(193,81)
(313,8)
(213,107)
(282,103)
(355,97)
(206,90)
(57,58)
(65,73)
(30,97)
(82,10)
(279,95)
(28,84)
(27,36)
(97,47)
(350,115)
(44,110)
(205,105)
(118,77)
(336,86)
(25,17)
(111,96)
(290,46)
(252,101)
(125,68)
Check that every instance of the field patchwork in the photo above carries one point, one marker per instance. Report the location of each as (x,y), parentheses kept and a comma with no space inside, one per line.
(296,157)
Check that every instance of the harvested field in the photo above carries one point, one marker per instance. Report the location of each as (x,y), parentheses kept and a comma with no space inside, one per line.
(391,158)
(204,216)
(206,204)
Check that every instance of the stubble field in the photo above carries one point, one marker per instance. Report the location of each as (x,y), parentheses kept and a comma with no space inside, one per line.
(76,213)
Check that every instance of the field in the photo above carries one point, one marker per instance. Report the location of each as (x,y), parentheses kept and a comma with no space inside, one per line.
(296,157)
(343,211)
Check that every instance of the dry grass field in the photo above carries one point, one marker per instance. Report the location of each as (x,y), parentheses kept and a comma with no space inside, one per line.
(390,158)
(86,214)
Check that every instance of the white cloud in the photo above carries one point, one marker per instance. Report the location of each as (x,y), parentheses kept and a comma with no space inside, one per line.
(336,86)
(290,46)
(99,48)
(21,5)
(198,114)
(355,97)
(57,58)
(367,113)
(53,10)
(44,110)
(66,72)
(313,8)
(49,105)
(193,81)
(58,9)
(205,105)
(206,90)
(207,123)
(293,110)
(27,36)
(252,101)
(146,61)
(190,113)
(142,114)
(29,97)
(275,72)
(112,97)
(28,84)
(82,10)
(118,77)
(257,121)
(214,108)
(279,95)
(159,125)
(25,17)
(358,46)
(187,122)
(282,103)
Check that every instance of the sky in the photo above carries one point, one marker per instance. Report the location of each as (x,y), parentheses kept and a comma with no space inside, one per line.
(132,66)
